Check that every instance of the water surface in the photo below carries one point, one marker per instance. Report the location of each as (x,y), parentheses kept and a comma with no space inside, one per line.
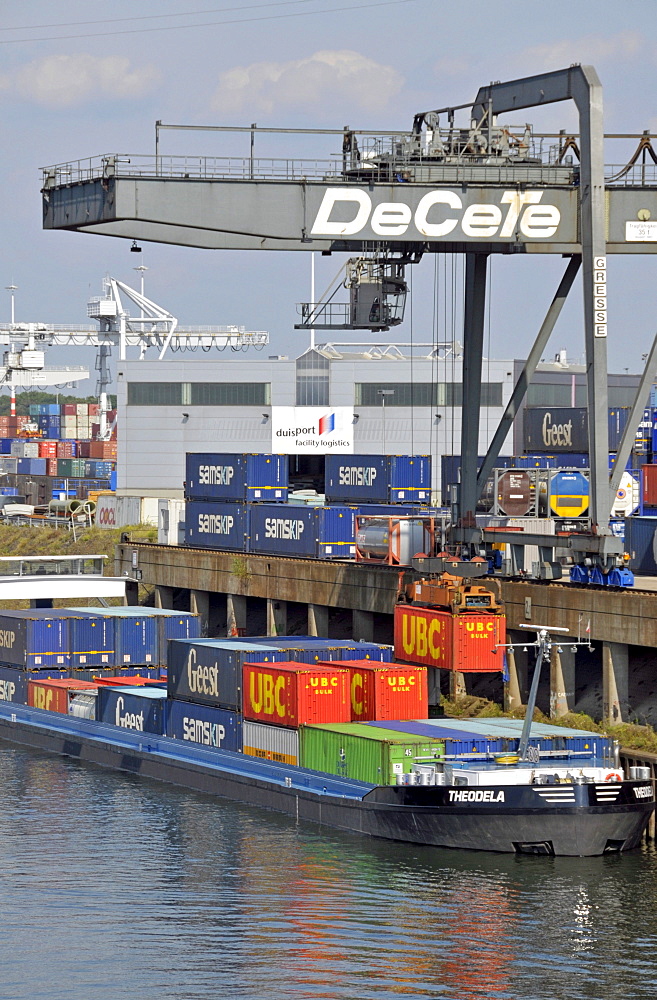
(116,887)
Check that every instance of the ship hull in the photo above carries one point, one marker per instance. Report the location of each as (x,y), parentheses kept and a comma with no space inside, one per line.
(578,820)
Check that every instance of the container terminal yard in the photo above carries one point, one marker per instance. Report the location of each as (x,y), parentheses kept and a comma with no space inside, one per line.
(345,528)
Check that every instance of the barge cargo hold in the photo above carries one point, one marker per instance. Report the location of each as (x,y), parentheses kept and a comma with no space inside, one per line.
(566,818)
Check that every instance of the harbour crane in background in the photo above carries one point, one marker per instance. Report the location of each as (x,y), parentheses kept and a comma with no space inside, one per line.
(24,365)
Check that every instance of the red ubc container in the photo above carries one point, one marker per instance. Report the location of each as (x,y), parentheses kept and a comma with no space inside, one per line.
(53,694)
(383,691)
(292,694)
(462,642)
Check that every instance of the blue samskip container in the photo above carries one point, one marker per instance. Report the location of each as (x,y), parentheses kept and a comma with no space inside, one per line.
(13,682)
(135,635)
(312,649)
(35,639)
(209,671)
(236,477)
(213,525)
(140,709)
(371,478)
(318,532)
(205,726)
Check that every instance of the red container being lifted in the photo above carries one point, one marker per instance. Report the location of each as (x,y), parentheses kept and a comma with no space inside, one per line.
(294,694)
(464,642)
(384,691)
(53,694)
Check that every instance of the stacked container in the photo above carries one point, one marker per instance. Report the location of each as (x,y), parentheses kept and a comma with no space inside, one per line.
(141,709)
(138,632)
(386,691)
(35,639)
(53,695)
(393,479)
(365,753)
(236,478)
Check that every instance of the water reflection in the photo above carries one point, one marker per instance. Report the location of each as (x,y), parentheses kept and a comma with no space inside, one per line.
(114,887)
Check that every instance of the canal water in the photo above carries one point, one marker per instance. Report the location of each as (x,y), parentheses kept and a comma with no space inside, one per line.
(114,887)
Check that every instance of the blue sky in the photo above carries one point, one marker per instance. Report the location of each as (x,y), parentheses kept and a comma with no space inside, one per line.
(82,78)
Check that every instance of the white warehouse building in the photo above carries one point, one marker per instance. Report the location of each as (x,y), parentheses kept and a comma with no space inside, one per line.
(386,400)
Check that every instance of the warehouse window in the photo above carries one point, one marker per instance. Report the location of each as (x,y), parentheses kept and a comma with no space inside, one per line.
(230,394)
(422,394)
(313,379)
(199,393)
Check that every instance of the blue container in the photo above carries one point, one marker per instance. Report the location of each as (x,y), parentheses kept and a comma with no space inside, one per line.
(216,525)
(378,478)
(13,682)
(5,446)
(236,477)
(457,742)
(31,466)
(318,532)
(74,446)
(34,639)
(9,491)
(91,640)
(640,541)
(136,634)
(204,726)
(53,409)
(209,671)
(113,480)
(142,710)
(315,648)
(618,417)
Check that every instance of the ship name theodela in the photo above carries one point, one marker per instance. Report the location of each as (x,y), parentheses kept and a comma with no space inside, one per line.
(475,795)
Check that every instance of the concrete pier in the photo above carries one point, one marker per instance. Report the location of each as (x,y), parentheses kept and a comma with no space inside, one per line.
(235,615)
(276,617)
(615,682)
(562,681)
(318,619)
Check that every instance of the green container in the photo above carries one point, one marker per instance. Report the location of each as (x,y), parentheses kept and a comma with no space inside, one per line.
(354,750)
(65,466)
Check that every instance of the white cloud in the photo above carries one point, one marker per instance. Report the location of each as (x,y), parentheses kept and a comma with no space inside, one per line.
(322,78)
(590,49)
(63,81)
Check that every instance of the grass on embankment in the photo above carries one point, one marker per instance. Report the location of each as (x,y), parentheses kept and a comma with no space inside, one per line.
(28,540)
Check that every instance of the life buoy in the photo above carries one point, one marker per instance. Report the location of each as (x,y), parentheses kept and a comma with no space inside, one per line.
(612,776)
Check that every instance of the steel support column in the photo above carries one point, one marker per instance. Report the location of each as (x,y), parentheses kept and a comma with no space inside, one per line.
(582,85)
(525,376)
(473,346)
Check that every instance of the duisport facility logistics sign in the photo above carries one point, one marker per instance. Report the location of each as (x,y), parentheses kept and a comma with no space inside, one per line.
(298,430)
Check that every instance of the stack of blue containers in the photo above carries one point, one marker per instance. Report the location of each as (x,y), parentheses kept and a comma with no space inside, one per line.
(229,502)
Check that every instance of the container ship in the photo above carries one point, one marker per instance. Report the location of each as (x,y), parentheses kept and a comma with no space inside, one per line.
(328,731)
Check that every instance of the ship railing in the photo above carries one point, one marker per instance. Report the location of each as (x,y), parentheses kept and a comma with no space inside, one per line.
(87,565)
